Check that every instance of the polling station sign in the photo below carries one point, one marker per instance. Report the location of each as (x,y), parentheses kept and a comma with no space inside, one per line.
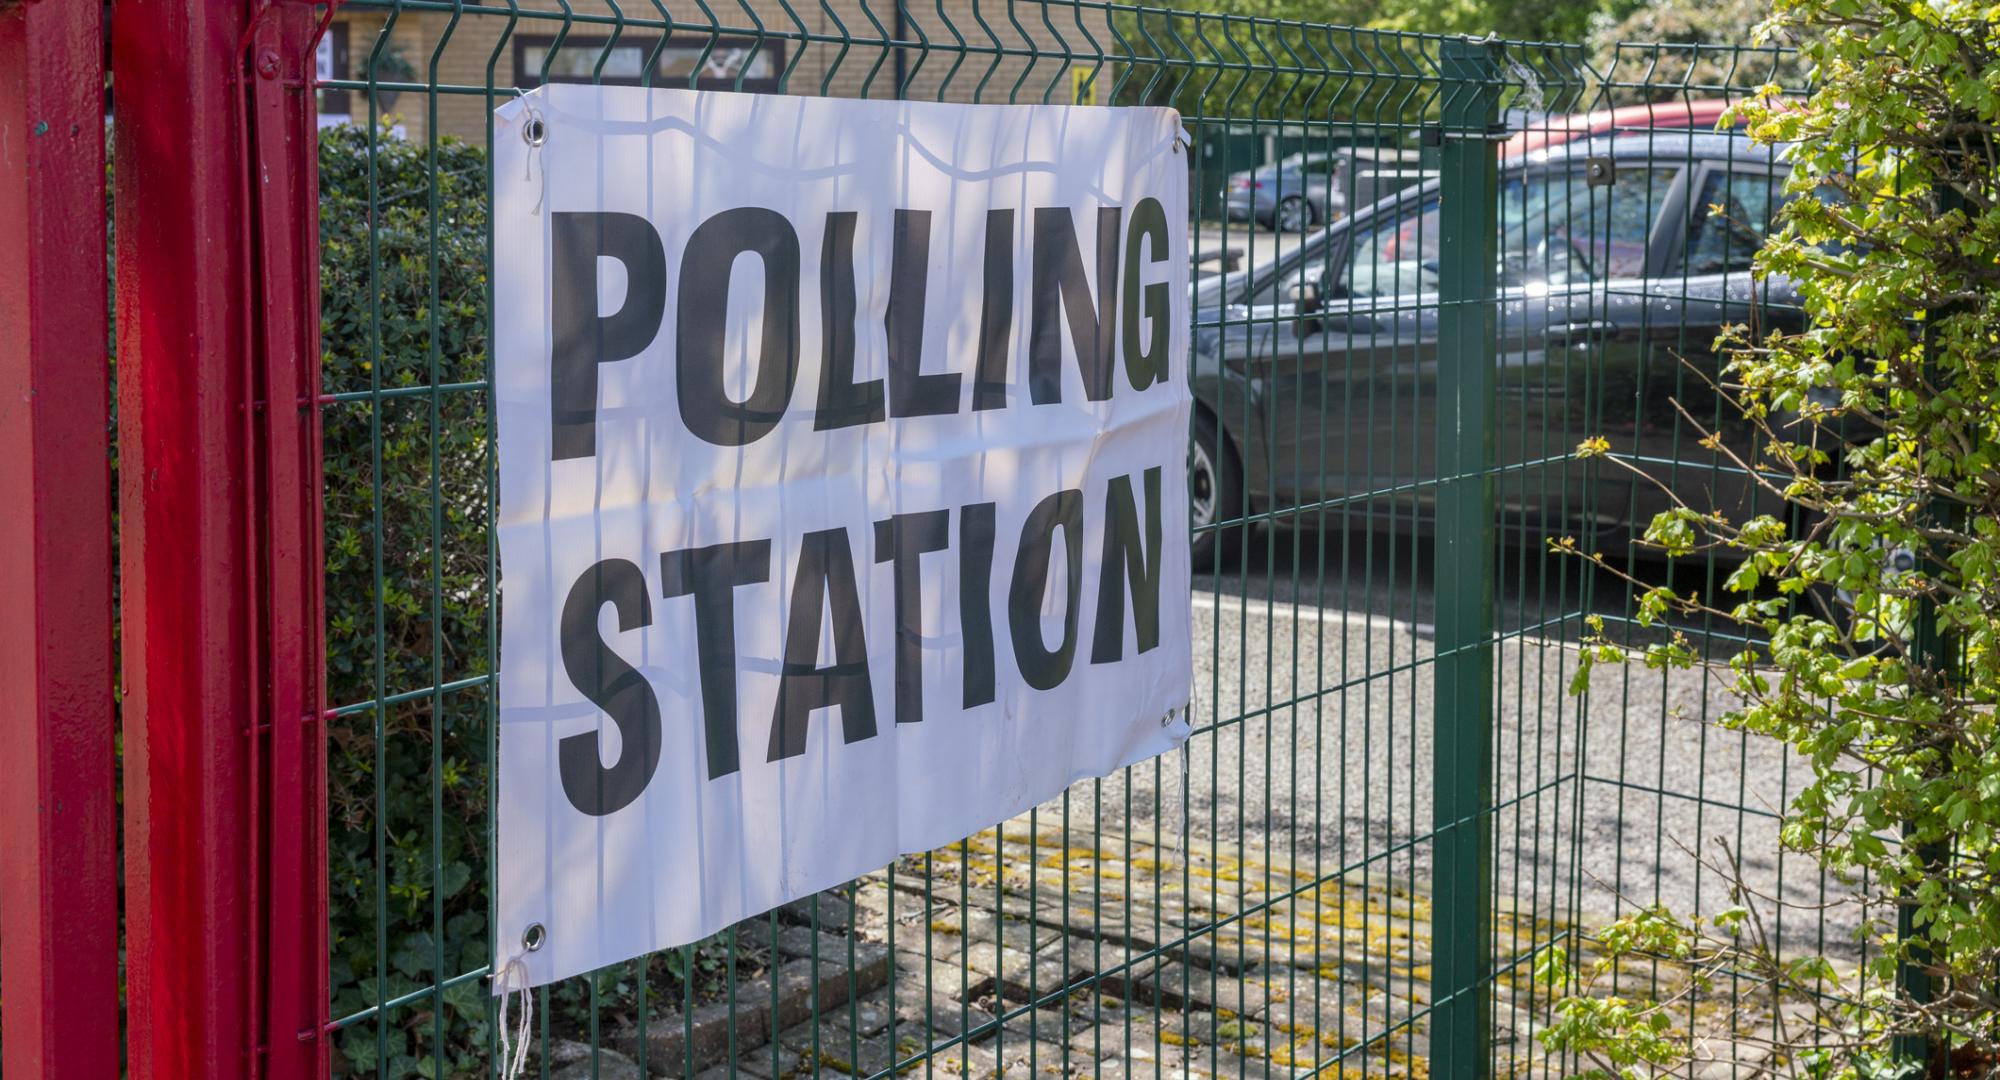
(843,512)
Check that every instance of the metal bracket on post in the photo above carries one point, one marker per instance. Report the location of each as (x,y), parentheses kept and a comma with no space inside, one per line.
(1462,747)
(290,749)
(1438,134)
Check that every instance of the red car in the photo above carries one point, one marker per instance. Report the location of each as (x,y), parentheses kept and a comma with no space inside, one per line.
(1701,115)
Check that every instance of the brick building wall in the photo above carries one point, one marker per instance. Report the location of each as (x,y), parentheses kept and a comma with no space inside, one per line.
(1011,48)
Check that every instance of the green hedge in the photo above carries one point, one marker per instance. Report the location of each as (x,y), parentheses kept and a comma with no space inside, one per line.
(410,605)
(403,286)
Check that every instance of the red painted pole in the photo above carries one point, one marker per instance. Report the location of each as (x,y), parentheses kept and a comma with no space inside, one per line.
(186,606)
(285,135)
(58,764)
(218,358)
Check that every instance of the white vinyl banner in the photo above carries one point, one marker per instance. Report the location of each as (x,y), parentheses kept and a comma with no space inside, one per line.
(843,508)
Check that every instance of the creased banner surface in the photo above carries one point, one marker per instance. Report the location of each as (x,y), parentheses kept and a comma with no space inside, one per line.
(842,452)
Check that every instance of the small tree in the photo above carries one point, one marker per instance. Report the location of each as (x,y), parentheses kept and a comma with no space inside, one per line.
(1649,73)
(1877,620)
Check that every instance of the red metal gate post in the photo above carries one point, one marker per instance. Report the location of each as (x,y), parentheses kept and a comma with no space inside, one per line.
(285,135)
(58,812)
(217,275)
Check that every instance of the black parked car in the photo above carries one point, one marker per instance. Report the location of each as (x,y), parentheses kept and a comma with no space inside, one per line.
(1316,374)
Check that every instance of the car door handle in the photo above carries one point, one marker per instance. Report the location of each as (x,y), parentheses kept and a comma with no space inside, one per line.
(1337,321)
(1576,334)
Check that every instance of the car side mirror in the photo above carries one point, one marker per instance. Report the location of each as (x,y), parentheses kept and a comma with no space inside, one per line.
(1305,298)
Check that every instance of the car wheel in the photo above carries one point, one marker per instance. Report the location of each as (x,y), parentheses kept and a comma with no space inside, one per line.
(1294,214)
(1215,495)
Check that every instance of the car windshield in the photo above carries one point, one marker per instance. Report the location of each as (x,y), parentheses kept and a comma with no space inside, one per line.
(1556,229)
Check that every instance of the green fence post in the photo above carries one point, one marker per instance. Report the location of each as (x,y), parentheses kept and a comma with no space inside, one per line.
(1462,748)
(1930,644)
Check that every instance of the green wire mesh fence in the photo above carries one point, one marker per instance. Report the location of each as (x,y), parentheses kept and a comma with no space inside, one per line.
(1425,271)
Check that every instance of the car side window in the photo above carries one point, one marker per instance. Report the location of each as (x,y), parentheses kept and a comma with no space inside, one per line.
(1556,229)
(1731,218)
(1395,258)
(1398,257)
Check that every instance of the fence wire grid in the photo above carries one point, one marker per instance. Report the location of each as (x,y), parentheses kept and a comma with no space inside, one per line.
(1419,285)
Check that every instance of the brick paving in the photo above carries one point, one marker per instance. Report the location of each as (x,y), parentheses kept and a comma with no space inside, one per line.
(1108,956)
(1026,953)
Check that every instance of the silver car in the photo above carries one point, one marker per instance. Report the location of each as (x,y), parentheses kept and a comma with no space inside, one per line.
(1310,189)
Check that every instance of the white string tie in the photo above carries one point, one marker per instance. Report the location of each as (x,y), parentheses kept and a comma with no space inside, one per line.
(535,132)
(514,1053)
